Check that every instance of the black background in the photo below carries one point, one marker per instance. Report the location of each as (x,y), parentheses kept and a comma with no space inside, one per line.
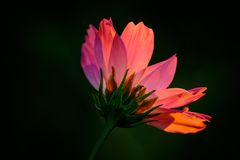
(52,113)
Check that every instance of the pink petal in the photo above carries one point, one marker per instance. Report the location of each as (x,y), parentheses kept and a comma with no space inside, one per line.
(177,97)
(139,42)
(106,34)
(138,76)
(160,75)
(92,74)
(88,59)
(100,57)
(118,59)
(199,115)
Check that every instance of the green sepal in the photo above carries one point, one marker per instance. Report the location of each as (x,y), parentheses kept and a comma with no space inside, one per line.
(116,97)
(97,104)
(141,98)
(132,107)
(151,109)
(137,118)
(96,100)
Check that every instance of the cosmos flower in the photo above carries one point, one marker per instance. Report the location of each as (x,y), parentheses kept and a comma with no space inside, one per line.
(129,89)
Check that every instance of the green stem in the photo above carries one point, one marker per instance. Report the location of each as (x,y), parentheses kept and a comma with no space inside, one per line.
(110,125)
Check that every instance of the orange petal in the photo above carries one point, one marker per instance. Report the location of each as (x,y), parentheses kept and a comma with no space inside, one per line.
(198,90)
(178,123)
(139,42)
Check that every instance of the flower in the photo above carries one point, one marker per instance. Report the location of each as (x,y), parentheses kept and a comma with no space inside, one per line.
(117,66)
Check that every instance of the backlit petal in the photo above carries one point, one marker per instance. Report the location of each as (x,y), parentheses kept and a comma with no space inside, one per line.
(199,115)
(88,59)
(139,42)
(100,57)
(198,90)
(160,75)
(106,34)
(177,97)
(92,74)
(178,123)
(118,58)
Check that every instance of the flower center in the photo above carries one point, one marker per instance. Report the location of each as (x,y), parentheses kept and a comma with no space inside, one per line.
(125,104)
(131,92)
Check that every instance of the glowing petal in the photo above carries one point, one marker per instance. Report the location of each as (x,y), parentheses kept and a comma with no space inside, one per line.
(106,34)
(88,59)
(139,42)
(177,97)
(118,58)
(160,75)
(178,123)
(100,57)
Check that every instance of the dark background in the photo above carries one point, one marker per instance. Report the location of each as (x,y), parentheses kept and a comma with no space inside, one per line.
(52,112)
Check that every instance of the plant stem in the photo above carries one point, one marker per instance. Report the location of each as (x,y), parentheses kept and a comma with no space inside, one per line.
(109,126)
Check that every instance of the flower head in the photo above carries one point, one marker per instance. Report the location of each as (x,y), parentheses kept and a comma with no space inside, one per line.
(117,66)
